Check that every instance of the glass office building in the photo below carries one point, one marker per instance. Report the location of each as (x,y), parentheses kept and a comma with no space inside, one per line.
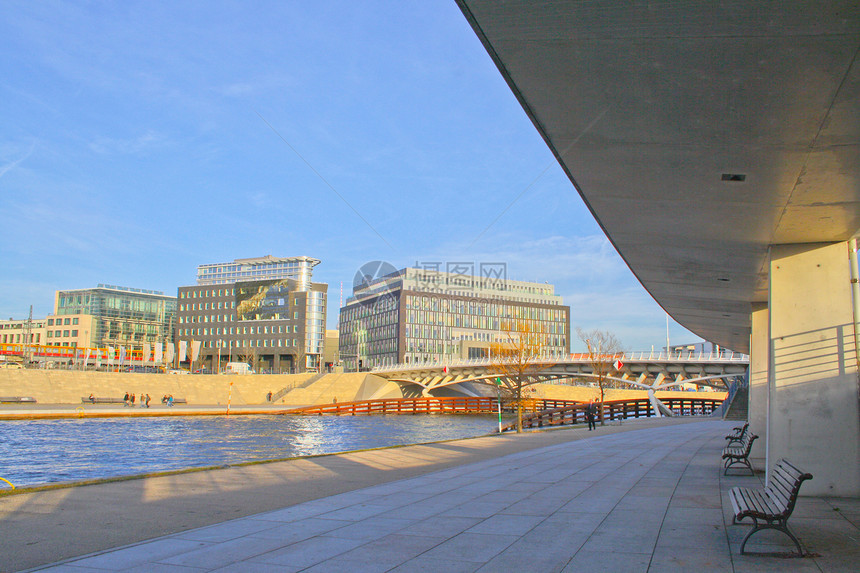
(121,316)
(415,316)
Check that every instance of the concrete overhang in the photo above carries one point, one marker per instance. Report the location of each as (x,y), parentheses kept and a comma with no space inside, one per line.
(697,133)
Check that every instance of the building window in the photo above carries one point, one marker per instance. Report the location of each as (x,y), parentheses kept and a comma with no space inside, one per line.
(50,322)
(67,321)
(74,321)
(74,333)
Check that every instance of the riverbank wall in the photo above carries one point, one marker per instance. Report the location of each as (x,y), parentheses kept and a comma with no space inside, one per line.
(69,386)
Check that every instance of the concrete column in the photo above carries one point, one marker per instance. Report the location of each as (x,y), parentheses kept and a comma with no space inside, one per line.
(812,373)
(759,344)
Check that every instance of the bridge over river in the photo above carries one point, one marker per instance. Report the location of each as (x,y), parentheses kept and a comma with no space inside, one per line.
(643,370)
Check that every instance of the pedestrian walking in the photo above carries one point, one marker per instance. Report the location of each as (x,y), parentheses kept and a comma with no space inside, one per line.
(591,414)
(131,399)
(147,400)
(125,399)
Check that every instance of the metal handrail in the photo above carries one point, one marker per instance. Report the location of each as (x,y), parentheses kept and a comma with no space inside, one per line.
(637,356)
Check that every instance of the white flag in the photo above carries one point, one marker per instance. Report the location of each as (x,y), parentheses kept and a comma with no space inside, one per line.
(121,355)
(110,356)
(158,352)
(195,349)
(98,357)
(170,353)
(146,353)
(183,350)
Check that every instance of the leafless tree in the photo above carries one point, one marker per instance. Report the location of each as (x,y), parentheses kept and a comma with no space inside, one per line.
(517,357)
(603,349)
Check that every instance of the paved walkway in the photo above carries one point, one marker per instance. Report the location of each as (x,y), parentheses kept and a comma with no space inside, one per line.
(651,499)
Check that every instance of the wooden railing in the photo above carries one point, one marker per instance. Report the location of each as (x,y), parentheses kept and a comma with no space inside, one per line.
(464,405)
(617,410)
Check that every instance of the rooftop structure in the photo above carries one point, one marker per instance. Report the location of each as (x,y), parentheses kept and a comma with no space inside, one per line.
(299,269)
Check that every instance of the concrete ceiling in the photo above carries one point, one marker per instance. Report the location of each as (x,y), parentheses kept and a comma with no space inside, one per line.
(647,105)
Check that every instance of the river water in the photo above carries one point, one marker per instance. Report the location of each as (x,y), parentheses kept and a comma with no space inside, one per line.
(47,451)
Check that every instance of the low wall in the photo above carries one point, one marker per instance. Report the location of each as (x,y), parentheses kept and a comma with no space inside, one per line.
(68,387)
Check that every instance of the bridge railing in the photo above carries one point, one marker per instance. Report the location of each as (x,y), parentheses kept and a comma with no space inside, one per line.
(637,356)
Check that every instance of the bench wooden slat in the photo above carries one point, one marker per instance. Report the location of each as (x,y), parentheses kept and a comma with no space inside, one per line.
(780,488)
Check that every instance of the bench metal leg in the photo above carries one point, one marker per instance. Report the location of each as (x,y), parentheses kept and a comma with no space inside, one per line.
(780,525)
(737,461)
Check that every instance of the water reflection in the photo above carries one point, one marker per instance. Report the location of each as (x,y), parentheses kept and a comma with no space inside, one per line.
(46,451)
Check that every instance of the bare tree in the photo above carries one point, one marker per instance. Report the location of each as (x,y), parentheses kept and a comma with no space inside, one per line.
(517,357)
(249,354)
(603,350)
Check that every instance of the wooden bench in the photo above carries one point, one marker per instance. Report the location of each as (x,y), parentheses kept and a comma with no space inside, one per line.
(737,434)
(17,400)
(771,507)
(102,400)
(739,455)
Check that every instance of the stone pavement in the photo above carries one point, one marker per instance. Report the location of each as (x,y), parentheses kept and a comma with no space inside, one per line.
(651,499)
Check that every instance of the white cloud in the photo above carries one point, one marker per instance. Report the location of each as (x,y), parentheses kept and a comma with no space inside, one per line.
(592,279)
(9,165)
(130,146)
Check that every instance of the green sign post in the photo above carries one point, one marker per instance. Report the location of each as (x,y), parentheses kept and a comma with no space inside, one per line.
(499,393)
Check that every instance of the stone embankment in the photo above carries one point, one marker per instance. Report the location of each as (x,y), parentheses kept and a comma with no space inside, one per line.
(68,387)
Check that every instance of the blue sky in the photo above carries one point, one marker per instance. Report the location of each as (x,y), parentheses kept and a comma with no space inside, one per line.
(141,139)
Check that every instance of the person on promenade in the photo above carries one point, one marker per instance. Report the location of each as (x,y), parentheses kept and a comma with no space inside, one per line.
(170,401)
(147,400)
(92,399)
(125,399)
(269,396)
(131,399)
(591,414)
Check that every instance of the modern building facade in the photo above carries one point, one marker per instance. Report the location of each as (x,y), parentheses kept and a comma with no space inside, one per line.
(75,330)
(23,331)
(111,316)
(273,318)
(417,315)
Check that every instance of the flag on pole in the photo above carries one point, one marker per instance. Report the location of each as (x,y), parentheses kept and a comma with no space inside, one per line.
(159,352)
(146,353)
(195,349)
(170,353)
(183,350)
(110,356)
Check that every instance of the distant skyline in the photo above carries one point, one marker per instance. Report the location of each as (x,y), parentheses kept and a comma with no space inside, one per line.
(142,139)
